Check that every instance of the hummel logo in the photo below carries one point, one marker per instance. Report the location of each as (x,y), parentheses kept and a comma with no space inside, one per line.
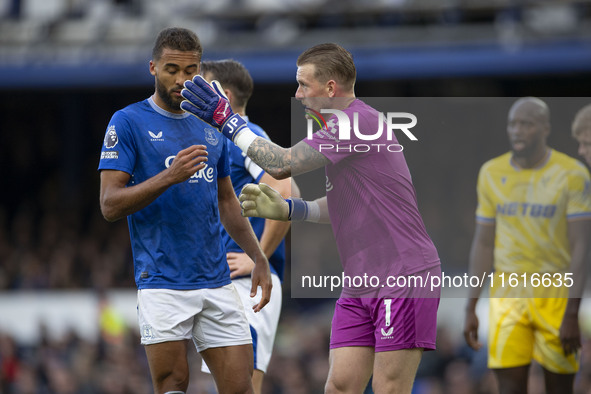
(387,333)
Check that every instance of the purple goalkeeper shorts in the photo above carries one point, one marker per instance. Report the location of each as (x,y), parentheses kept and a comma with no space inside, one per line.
(385,323)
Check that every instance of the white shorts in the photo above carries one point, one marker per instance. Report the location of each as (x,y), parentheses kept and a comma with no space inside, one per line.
(263,324)
(211,317)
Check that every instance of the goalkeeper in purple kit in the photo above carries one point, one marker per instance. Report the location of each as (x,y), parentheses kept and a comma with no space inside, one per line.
(371,205)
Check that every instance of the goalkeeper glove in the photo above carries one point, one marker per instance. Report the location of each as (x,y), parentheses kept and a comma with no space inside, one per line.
(210,104)
(263,201)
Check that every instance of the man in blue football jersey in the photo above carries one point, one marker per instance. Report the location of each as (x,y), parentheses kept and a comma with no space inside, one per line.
(168,172)
(238,86)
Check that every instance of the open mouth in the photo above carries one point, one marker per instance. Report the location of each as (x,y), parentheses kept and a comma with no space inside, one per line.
(518,144)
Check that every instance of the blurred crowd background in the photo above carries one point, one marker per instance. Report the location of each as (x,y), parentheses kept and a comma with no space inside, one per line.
(67,65)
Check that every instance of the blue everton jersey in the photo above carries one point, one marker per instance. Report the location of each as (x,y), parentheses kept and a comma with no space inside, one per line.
(243,171)
(175,240)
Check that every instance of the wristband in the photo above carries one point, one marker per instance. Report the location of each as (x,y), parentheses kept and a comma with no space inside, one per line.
(244,139)
(232,126)
(300,210)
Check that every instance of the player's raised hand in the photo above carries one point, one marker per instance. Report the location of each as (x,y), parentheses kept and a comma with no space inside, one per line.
(210,104)
(261,277)
(263,201)
(187,162)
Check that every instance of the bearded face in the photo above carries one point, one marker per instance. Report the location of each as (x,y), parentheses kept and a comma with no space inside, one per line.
(171,70)
(169,95)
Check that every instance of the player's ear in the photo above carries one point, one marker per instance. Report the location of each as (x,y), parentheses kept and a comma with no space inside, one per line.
(152,68)
(331,88)
(229,95)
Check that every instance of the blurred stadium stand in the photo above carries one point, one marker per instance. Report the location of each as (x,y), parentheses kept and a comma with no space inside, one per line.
(90,41)
(67,65)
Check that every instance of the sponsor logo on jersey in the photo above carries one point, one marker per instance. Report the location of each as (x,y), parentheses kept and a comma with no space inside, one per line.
(156,136)
(211,136)
(110,154)
(526,209)
(111,138)
(206,173)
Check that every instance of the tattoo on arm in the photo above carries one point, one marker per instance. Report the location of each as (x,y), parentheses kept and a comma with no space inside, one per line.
(281,162)
(275,160)
(305,158)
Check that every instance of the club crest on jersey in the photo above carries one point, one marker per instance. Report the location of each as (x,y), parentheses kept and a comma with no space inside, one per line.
(111,138)
(147,332)
(211,136)
(155,136)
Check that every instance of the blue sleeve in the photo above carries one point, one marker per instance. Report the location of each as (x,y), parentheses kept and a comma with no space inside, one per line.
(223,166)
(119,150)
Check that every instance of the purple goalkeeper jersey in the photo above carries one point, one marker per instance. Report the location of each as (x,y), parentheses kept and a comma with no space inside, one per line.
(371,200)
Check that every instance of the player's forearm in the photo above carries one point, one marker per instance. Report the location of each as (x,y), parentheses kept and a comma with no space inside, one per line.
(245,238)
(274,230)
(578,272)
(480,264)
(579,233)
(481,259)
(281,163)
(272,236)
(323,210)
(572,307)
(119,202)
(272,158)
(239,228)
(471,304)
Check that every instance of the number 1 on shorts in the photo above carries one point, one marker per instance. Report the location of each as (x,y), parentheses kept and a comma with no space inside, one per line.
(388,304)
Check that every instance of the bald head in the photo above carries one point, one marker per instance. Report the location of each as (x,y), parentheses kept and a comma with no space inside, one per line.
(528,128)
(534,108)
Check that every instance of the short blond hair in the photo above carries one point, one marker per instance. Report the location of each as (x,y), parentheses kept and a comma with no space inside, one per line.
(582,121)
(331,61)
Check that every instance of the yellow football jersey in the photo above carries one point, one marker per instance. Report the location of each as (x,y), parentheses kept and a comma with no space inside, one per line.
(531,208)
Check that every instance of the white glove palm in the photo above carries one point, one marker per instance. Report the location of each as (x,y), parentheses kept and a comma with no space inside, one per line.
(263,201)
